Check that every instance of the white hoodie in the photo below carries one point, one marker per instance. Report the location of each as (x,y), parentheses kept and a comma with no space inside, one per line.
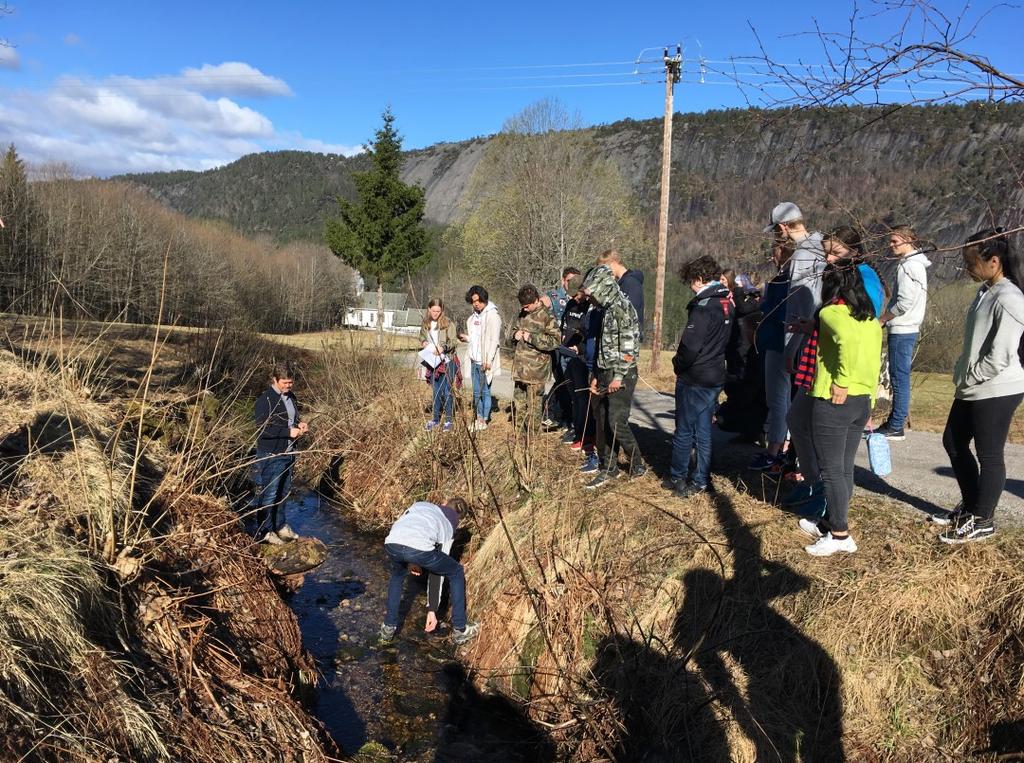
(910,297)
(484,331)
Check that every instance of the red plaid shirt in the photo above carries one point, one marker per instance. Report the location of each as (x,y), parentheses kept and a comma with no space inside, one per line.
(807,364)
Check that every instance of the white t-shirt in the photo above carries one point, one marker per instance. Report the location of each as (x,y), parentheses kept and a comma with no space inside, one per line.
(475,324)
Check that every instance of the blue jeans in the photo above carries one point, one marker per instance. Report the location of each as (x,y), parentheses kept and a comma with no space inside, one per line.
(435,561)
(901,355)
(695,407)
(444,385)
(481,392)
(272,477)
(778,387)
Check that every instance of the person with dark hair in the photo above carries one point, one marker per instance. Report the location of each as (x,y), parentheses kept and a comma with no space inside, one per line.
(902,319)
(989,381)
(845,380)
(536,336)
(843,248)
(422,537)
(559,402)
(576,352)
(699,364)
(770,341)
(279,425)
(744,409)
(483,335)
(614,377)
(438,335)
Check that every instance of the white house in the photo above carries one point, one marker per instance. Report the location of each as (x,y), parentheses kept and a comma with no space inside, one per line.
(397,317)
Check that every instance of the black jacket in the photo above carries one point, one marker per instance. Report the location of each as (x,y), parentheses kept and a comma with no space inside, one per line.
(632,283)
(271,417)
(700,359)
(574,319)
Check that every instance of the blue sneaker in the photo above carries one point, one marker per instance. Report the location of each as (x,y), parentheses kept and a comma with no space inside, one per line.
(591,465)
(431,425)
(764,462)
(814,507)
(448,426)
(803,492)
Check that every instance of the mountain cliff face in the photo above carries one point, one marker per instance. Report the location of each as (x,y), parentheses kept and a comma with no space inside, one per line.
(948,170)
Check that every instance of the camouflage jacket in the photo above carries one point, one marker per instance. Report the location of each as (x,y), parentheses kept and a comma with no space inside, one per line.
(531,363)
(618,345)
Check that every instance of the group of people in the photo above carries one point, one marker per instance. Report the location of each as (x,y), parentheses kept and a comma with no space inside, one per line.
(810,341)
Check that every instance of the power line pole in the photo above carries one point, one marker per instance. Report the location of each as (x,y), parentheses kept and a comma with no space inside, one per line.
(673,68)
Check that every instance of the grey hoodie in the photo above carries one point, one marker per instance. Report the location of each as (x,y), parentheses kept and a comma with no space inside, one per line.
(910,295)
(989,365)
(424,526)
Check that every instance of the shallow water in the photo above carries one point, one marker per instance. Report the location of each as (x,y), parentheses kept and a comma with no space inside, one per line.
(411,697)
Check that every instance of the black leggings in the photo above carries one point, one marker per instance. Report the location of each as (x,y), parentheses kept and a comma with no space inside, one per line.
(987,422)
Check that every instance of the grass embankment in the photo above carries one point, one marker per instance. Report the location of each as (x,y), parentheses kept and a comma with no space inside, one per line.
(137,623)
(634,624)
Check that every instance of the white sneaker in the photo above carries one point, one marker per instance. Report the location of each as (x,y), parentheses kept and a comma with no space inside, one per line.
(287,533)
(810,528)
(273,539)
(827,545)
(479,425)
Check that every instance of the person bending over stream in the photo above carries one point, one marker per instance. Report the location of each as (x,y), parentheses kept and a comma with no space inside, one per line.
(422,537)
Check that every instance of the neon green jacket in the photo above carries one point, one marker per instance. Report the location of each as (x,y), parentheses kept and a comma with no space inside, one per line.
(849,353)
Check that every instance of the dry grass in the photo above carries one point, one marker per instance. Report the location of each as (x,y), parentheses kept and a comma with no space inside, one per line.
(632,623)
(137,622)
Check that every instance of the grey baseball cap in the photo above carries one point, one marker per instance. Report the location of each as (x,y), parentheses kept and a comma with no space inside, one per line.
(786,212)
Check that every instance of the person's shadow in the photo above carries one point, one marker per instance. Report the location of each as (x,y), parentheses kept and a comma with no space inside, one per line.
(731,659)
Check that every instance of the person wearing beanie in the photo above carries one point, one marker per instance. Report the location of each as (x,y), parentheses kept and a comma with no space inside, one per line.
(422,537)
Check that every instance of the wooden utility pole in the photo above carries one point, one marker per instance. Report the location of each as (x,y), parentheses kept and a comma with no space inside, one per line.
(673,68)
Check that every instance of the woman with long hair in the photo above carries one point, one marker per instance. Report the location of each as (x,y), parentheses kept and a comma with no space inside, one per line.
(845,379)
(989,383)
(439,337)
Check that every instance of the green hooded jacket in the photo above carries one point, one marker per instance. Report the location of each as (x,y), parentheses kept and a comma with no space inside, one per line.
(618,347)
(531,363)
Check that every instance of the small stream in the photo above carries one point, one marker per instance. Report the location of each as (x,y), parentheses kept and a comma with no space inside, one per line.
(412,697)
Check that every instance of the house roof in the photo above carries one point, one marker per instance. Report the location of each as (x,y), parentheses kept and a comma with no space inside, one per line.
(392,301)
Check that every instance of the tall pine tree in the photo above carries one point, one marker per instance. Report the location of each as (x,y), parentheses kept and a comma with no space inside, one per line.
(381,234)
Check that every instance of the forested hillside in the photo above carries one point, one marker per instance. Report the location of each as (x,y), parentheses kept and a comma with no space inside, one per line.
(946,169)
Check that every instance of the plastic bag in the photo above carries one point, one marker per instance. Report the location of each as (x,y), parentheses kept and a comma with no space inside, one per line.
(879,456)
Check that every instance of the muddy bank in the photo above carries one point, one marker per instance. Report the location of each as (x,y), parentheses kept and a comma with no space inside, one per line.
(410,701)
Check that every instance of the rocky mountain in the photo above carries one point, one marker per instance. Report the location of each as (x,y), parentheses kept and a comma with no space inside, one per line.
(947,169)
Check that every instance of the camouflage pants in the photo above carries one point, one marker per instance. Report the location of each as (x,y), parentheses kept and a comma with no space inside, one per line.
(528,404)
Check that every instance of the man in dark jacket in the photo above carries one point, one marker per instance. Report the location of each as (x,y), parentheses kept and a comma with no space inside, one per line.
(699,364)
(277,420)
(577,363)
(630,281)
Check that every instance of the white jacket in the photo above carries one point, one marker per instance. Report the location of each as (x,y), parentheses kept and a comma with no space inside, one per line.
(910,297)
(989,365)
(484,331)
(423,526)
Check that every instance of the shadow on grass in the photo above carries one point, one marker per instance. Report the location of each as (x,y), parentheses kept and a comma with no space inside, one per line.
(731,664)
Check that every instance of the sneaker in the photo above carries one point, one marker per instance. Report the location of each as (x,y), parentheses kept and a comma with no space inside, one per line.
(592,465)
(548,422)
(387,633)
(576,445)
(602,478)
(689,490)
(670,484)
(948,518)
(466,634)
(287,533)
(430,425)
(638,469)
(813,508)
(569,438)
(448,426)
(968,528)
(272,538)
(800,494)
(764,461)
(479,425)
(810,528)
(891,432)
(828,545)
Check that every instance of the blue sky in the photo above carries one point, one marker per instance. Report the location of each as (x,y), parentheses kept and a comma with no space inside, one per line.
(131,86)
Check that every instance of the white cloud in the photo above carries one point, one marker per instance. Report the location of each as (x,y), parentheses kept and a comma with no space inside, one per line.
(72,39)
(130,124)
(9,57)
(234,78)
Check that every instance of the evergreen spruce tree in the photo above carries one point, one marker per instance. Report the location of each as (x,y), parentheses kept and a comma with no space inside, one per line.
(20,283)
(381,234)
